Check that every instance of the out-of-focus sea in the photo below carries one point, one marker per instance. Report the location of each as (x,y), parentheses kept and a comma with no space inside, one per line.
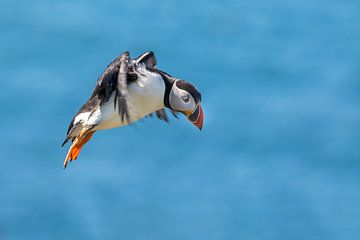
(278,157)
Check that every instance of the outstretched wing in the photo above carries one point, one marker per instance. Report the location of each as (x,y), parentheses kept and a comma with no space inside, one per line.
(113,79)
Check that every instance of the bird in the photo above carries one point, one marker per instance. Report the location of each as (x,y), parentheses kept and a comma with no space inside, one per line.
(127,91)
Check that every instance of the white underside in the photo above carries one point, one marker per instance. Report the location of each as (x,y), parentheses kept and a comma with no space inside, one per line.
(146,95)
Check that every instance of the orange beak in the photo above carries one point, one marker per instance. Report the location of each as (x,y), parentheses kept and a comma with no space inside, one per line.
(197,117)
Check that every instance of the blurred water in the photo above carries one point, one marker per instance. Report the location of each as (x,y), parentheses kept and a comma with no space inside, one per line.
(278,156)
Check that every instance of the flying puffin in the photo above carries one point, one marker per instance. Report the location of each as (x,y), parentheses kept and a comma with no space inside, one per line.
(128,90)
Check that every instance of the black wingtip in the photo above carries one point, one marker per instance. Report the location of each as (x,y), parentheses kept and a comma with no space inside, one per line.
(66,140)
(148,58)
(161,114)
(175,114)
(123,109)
(125,54)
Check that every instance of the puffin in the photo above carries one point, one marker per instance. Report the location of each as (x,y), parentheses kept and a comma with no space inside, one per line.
(127,91)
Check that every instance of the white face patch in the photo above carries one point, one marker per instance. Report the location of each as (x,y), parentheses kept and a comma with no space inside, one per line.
(181,100)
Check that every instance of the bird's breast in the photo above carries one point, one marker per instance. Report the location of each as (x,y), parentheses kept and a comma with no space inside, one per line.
(145,96)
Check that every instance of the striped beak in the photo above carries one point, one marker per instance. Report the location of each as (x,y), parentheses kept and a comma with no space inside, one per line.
(197,117)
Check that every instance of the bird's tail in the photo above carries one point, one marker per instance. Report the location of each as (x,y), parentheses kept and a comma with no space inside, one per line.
(75,148)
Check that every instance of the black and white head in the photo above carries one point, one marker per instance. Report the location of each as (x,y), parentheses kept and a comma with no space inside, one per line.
(185,98)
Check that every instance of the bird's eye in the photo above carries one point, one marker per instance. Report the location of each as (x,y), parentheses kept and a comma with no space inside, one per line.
(186,98)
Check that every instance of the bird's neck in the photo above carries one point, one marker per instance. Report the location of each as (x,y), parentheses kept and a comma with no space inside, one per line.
(169,82)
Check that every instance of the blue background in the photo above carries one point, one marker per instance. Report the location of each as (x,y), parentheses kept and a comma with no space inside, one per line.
(278,157)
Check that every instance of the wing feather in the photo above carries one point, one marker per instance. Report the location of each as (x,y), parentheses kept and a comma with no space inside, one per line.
(161,114)
(148,58)
(113,79)
(121,88)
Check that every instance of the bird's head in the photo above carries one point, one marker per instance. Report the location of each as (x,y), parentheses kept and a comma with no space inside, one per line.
(185,98)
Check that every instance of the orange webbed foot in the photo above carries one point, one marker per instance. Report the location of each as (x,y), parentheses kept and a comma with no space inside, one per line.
(76,147)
